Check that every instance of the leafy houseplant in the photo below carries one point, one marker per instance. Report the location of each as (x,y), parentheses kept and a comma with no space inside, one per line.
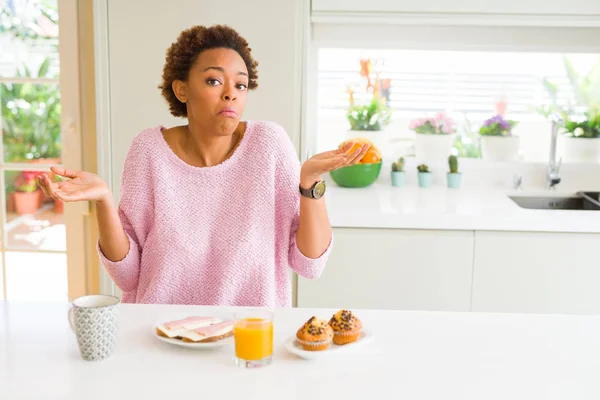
(31,119)
(497,140)
(435,136)
(371,115)
(453,178)
(398,174)
(425,175)
(587,127)
(581,137)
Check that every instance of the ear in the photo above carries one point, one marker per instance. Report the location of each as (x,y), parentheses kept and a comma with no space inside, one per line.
(180,89)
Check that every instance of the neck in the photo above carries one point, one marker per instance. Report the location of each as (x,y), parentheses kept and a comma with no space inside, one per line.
(210,148)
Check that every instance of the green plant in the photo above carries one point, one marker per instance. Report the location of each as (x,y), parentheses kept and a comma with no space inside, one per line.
(398,166)
(497,126)
(586,89)
(31,118)
(466,141)
(587,127)
(423,168)
(453,164)
(372,117)
(31,112)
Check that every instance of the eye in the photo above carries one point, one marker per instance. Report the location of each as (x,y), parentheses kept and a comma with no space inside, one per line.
(213,82)
(242,86)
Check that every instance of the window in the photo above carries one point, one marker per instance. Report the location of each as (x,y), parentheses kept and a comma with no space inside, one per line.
(34,235)
(470,86)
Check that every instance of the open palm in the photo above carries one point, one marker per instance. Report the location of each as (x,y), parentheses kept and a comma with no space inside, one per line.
(80,186)
(322,163)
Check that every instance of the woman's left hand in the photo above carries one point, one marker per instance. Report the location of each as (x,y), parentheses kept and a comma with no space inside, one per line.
(322,163)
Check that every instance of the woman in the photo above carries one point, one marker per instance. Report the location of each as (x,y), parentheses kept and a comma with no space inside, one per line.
(215,211)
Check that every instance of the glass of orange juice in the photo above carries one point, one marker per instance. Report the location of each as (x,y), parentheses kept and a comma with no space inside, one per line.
(253,332)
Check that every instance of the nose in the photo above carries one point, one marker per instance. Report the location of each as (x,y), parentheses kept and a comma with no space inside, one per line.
(229,93)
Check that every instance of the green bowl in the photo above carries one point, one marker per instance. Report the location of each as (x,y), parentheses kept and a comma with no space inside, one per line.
(356,176)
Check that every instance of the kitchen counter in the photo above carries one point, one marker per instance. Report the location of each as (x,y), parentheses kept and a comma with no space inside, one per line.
(414,355)
(438,208)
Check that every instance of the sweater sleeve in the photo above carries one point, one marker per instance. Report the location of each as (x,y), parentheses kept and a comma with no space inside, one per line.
(135,212)
(288,181)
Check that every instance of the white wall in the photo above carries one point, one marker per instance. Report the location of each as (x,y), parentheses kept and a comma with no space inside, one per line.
(140,31)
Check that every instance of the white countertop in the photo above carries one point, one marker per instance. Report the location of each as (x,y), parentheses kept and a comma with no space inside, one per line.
(384,206)
(414,355)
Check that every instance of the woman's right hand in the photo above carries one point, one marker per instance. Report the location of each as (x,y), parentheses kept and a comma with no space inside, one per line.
(80,186)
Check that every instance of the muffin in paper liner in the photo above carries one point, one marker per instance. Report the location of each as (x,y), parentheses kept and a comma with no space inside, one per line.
(315,335)
(346,327)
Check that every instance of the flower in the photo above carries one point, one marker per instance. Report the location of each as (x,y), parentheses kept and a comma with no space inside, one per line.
(497,126)
(26,181)
(440,124)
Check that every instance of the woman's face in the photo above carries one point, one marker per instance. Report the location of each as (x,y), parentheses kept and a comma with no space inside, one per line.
(215,92)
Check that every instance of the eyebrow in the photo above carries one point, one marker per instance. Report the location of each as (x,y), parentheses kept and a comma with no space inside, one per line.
(223,70)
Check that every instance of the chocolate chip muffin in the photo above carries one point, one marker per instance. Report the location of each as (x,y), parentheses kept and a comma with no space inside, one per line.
(315,335)
(346,327)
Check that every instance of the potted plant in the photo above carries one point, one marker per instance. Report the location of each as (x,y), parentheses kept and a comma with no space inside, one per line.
(579,141)
(453,178)
(497,140)
(425,176)
(26,197)
(435,136)
(398,174)
(581,137)
(369,119)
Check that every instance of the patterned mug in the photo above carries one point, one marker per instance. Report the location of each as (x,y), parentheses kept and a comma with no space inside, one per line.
(93,318)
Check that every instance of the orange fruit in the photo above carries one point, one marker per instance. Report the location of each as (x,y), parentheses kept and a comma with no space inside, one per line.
(356,145)
(373,155)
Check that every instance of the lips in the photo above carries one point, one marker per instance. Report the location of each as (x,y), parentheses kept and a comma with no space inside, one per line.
(227,112)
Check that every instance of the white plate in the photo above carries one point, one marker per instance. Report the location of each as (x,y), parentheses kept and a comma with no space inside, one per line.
(197,346)
(292,345)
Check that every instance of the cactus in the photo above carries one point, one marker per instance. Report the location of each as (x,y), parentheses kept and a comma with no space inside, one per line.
(453,164)
(423,168)
(398,166)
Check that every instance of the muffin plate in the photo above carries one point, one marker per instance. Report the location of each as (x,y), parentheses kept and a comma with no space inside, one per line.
(291,344)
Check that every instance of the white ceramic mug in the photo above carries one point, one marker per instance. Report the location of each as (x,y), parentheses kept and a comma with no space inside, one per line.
(93,318)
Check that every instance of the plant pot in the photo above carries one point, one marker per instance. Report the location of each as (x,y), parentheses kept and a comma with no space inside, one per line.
(581,149)
(26,202)
(453,180)
(10,202)
(500,148)
(425,179)
(398,178)
(357,175)
(433,147)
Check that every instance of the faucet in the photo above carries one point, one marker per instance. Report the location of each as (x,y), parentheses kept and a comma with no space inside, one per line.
(552,172)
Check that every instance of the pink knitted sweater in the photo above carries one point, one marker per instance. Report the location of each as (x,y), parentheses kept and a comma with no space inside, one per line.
(221,235)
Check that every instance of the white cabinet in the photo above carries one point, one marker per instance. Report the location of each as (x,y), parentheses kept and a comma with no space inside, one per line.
(394,269)
(529,7)
(536,272)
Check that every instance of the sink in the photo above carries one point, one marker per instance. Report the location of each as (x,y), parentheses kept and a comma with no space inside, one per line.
(555,202)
